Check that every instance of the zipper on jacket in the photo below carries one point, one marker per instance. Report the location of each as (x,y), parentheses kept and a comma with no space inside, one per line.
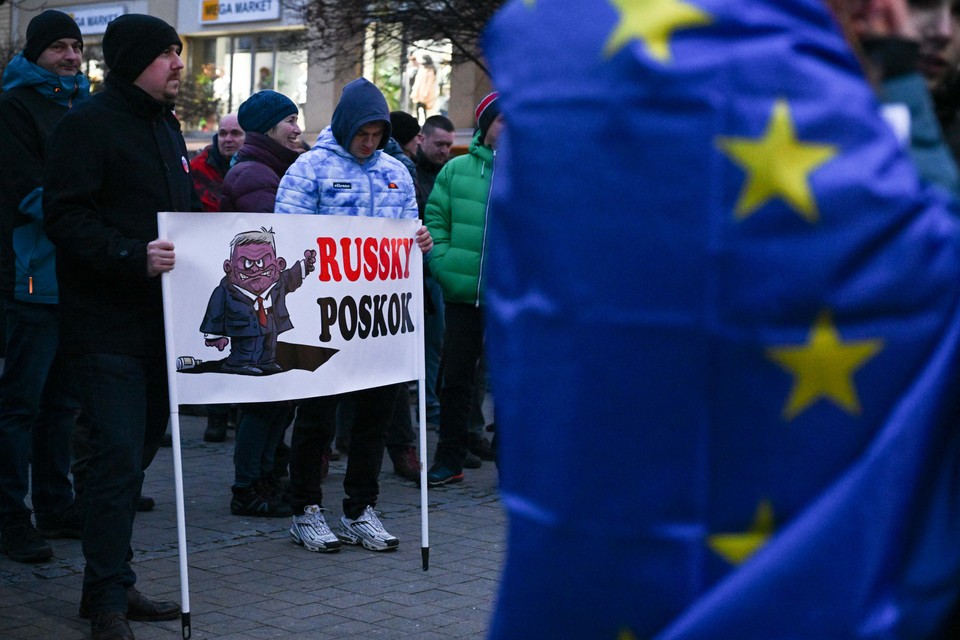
(366,170)
(486,219)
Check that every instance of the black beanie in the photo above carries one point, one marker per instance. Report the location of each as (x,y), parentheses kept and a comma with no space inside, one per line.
(405,126)
(45,29)
(487,112)
(263,110)
(133,41)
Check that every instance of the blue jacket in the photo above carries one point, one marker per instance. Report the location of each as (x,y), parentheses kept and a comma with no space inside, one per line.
(328,180)
(927,147)
(32,103)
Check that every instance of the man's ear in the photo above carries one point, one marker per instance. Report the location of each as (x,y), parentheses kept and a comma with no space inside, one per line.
(226,266)
(281,263)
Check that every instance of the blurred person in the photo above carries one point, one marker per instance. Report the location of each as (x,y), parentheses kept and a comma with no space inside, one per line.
(433,151)
(209,167)
(270,120)
(401,437)
(114,162)
(899,44)
(37,409)
(348,152)
(425,91)
(935,24)
(456,216)
(406,131)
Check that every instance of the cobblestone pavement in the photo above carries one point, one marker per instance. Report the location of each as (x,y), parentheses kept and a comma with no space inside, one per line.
(249,581)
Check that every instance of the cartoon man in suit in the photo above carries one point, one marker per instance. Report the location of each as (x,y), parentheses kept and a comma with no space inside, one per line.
(249,306)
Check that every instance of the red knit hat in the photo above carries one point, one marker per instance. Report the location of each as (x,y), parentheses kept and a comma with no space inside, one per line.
(487,112)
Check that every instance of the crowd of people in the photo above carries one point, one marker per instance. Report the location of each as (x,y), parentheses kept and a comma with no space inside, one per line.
(85,376)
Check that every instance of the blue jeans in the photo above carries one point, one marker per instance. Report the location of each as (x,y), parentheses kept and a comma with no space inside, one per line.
(433,327)
(259,431)
(37,412)
(126,406)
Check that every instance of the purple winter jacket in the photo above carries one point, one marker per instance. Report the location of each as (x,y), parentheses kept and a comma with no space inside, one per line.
(251,184)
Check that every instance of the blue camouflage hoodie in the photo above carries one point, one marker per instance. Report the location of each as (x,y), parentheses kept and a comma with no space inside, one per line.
(328,180)
(32,103)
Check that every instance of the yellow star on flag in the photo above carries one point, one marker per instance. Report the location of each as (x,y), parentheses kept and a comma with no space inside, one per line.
(654,22)
(823,367)
(778,165)
(737,548)
(626,634)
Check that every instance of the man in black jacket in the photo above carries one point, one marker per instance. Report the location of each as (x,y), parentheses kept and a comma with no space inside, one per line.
(114,162)
(36,411)
(433,151)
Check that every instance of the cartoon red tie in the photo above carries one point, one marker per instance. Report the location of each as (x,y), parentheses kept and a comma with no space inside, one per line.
(261,312)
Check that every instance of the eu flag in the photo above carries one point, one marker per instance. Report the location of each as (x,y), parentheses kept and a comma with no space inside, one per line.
(723,320)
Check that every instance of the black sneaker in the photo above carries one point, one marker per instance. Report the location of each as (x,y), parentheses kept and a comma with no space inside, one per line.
(20,541)
(66,524)
(248,501)
(480,447)
(471,461)
(216,430)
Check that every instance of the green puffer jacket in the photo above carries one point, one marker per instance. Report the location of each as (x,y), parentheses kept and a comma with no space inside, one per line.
(456,216)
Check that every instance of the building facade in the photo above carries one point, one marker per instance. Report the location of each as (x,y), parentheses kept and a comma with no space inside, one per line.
(233,48)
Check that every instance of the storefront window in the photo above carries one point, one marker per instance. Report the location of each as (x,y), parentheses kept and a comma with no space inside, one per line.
(239,65)
(414,76)
(427,75)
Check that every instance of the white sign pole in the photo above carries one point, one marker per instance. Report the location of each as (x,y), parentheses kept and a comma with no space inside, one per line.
(168,322)
(422,406)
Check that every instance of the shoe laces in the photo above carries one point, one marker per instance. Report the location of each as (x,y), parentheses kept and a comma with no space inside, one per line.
(370,517)
(317,519)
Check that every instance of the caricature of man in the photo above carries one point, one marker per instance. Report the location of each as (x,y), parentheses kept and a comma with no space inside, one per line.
(249,306)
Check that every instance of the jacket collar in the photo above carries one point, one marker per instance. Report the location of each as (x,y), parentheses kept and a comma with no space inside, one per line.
(64,90)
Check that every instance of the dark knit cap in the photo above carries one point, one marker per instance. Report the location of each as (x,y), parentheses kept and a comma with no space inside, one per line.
(487,112)
(264,109)
(47,28)
(405,126)
(133,41)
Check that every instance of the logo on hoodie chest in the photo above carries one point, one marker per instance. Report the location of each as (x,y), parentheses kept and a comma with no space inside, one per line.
(343,185)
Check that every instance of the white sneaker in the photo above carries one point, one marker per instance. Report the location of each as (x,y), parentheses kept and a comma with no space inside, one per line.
(368,531)
(311,531)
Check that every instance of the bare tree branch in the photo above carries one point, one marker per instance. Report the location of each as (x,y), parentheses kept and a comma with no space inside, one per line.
(460,22)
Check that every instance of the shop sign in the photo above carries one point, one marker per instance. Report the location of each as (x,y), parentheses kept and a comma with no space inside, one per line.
(95,19)
(215,12)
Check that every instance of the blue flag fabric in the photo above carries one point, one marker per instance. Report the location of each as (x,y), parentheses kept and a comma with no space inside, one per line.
(723,324)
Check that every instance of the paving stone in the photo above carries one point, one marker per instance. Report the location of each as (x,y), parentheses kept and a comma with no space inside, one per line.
(249,582)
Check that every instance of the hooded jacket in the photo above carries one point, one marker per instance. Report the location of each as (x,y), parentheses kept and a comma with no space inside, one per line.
(328,180)
(456,217)
(116,161)
(33,102)
(251,185)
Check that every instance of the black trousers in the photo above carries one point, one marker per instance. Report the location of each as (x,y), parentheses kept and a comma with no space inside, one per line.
(313,431)
(462,347)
